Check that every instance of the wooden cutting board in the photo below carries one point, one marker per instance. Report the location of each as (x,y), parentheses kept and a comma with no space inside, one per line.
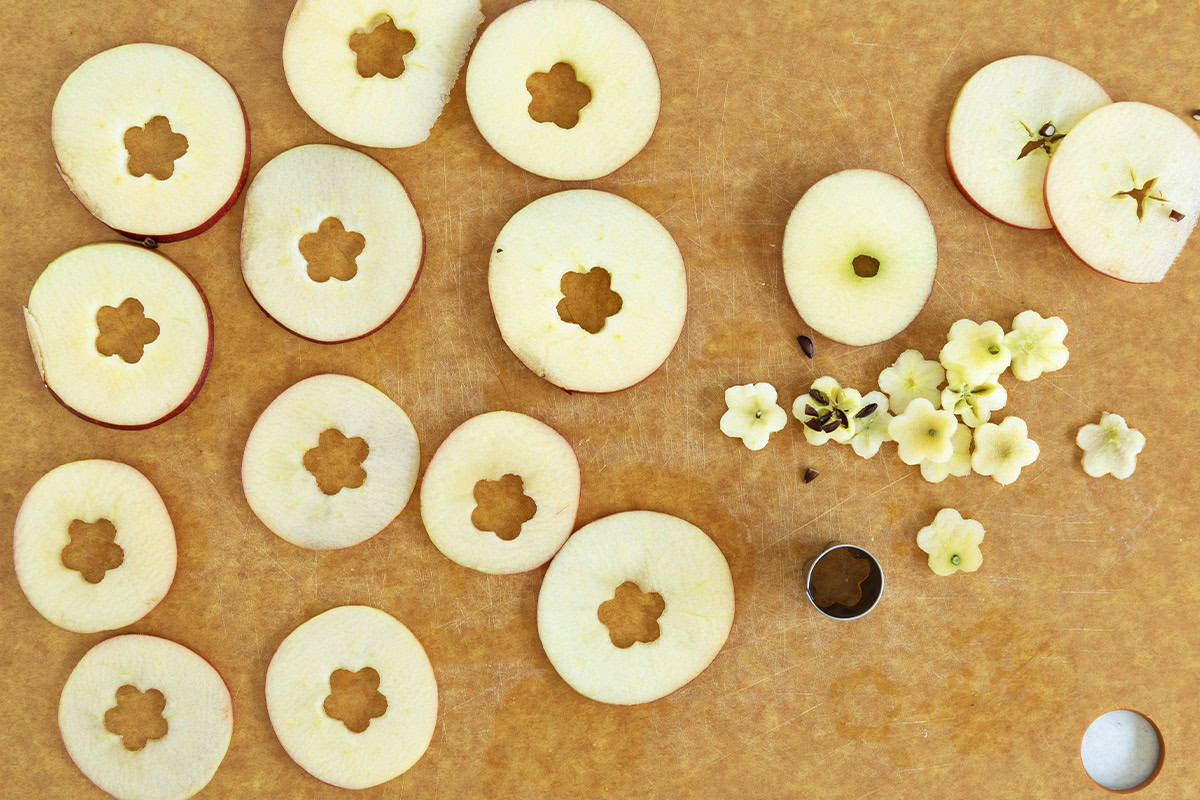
(971,686)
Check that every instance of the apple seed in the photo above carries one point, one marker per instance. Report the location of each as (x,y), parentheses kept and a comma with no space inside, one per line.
(806,344)
(810,475)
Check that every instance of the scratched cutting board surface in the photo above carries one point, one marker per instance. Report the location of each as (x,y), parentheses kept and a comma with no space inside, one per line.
(970,686)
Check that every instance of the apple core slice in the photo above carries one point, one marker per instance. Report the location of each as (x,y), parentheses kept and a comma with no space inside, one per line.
(534,58)
(859,256)
(1123,190)
(1006,123)
(500,493)
(588,290)
(634,606)
(120,334)
(330,462)
(145,719)
(352,697)
(93,546)
(377,72)
(152,141)
(331,244)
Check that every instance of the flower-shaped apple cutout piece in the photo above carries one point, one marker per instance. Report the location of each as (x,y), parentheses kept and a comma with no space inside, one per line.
(952,543)
(911,376)
(828,411)
(753,414)
(1036,345)
(975,351)
(1002,451)
(959,464)
(1110,448)
(923,433)
(871,425)
(973,402)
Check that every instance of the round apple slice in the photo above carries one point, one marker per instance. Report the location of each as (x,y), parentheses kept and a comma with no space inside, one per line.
(500,493)
(120,334)
(145,719)
(1007,121)
(352,697)
(634,606)
(1123,190)
(152,141)
(331,244)
(330,463)
(559,103)
(859,256)
(588,290)
(377,72)
(93,546)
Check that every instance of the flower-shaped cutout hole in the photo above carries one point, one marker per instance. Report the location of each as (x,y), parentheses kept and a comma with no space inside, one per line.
(837,578)
(1141,194)
(865,266)
(93,550)
(632,615)
(588,301)
(125,330)
(137,717)
(332,251)
(557,96)
(502,506)
(154,148)
(354,699)
(336,461)
(381,50)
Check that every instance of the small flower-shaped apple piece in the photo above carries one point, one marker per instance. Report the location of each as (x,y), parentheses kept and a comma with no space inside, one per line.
(973,402)
(952,543)
(871,425)
(959,464)
(1110,448)
(910,377)
(923,433)
(1036,345)
(976,352)
(1003,450)
(828,411)
(753,414)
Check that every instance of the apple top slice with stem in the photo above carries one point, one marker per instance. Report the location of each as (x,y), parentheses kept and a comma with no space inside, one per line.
(1124,190)
(1006,123)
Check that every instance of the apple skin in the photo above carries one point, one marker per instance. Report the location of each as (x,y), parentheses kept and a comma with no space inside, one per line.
(1086,264)
(187,401)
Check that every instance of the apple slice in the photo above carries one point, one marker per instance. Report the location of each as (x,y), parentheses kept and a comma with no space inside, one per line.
(330,463)
(93,546)
(588,290)
(1007,121)
(331,244)
(1123,190)
(634,606)
(377,73)
(145,719)
(543,54)
(352,697)
(859,256)
(120,334)
(505,470)
(152,141)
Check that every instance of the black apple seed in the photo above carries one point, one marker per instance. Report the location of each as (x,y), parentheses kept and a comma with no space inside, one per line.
(806,344)
(819,396)
(867,411)
(810,475)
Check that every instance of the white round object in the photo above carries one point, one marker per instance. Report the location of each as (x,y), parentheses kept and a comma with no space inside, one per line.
(1113,150)
(285,495)
(124,88)
(576,231)
(859,212)
(198,713)
(1000,112)
(611,59)
(90,491)
(1121,750)
(376,111)
(352,638)
(488,447)
(289,199)
(61,321)
(659,553)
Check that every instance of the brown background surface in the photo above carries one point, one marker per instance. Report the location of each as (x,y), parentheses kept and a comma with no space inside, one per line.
(971,686)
